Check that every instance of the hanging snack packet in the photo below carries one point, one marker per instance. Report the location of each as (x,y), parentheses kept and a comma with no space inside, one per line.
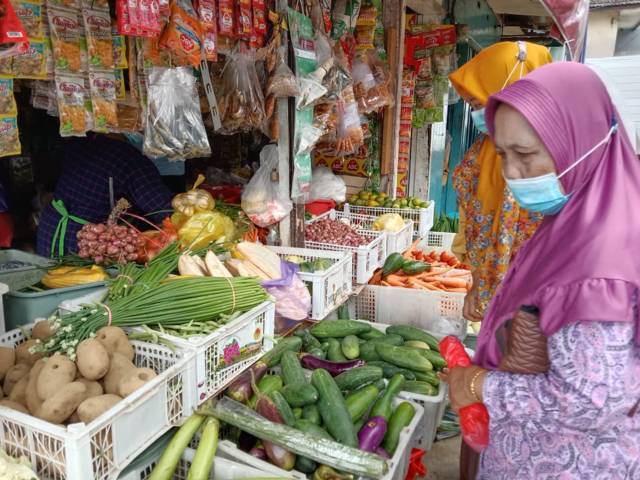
(71,93)
(183,36)
(66,31)
(95,4)
(121,92)
(72,4)
(30,15)
(118,45)
(9,136)
(244,20)
(225,17)
(7,100)
(207,14)
(32,63)
(103,101)
(349,135)
(282,83)
(97,24)
(344,16)
(210,46)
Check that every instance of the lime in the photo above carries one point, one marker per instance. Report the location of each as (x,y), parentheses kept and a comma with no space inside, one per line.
(396,204)
(404,202)
(353,198)
(373,203)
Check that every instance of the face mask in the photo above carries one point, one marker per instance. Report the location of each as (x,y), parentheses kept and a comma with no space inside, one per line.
(543,194)
(477,116)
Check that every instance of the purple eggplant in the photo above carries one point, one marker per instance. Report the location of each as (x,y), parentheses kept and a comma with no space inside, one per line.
(258,453)
(371,434)
(381,452)
(334,368)
(240,390)
(277,455)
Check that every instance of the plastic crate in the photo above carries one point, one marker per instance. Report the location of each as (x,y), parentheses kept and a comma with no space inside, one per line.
(330,288)
(396,241)
(224,354)
(26,275)
(422,218)
(436,312)
(398,464)
(441,240)
(101,449)
(366,258)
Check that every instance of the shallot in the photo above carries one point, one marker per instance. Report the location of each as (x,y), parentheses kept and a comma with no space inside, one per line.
(109,243)
(335,232)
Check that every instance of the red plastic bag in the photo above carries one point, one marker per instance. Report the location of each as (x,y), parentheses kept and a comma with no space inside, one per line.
(474,419)
(11,29)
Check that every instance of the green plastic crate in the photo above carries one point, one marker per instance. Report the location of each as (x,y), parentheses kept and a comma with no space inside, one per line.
(22,277)
(21,308)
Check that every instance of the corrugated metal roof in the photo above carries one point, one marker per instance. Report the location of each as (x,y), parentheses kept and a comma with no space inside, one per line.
(614,3)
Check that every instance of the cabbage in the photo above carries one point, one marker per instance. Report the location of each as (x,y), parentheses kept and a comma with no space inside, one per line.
(389,222)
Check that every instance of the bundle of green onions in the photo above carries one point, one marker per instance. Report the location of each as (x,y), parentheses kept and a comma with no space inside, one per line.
(173,302)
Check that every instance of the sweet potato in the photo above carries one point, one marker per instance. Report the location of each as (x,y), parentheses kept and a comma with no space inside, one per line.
(136,379)
(115,340)
(119,367)
(14,405)
(92,359)
(92,408)
(13,376)
(23,355)
(59,407)
(57,372)
(7,360)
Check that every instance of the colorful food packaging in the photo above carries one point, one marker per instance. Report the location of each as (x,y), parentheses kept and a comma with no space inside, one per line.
(183,36)
(95,4)
(30,15)
(72,4)
(7,100)
(103,101)
(225,17)
(97,24)
(70,91)
(32,63)
(118,44)
(66,31)
(9,136)
(121,92)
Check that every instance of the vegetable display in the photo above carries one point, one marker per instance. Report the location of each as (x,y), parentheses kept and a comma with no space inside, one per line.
(335,232)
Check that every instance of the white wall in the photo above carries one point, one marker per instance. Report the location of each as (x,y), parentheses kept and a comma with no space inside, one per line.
(602,33)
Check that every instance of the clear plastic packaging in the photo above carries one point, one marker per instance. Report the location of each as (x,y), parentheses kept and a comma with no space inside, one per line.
(349,134)
(174,126)
(570,19)
(293,300)
(282,83)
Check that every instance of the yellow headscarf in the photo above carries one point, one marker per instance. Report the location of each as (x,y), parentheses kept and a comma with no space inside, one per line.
(494,68)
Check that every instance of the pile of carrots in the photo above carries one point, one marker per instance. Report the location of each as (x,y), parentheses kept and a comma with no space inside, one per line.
(446,274)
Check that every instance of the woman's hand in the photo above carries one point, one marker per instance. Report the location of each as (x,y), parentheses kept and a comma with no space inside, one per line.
(460,380)
(471,310)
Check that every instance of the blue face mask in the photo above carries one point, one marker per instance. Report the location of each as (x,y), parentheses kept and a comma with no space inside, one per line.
(543,194)
(477,116)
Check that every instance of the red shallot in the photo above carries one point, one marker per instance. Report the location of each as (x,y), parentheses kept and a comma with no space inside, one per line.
(335,232)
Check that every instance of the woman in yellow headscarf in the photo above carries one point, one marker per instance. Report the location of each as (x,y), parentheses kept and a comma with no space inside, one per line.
(492,226)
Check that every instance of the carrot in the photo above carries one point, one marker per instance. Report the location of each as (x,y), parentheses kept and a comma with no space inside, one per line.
(452,282)
(432,273)
(426,285)
(385,284)
(396,277)
(376,279)
(457,290)
(395,283)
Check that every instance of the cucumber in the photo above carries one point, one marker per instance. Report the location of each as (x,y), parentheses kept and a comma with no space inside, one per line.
(392,264)
(421,388)
(430,377)
(339,328)
(292,372)
(380,384)
(382,407)
(358,403)
(297,412)
(266,385)
(350,347)
(400,419)
(318,353)
(404,357)
(435,358)
(272,357)
(312,429)
(343,312)
(283,408)
(368,352)
(333,408)
(312,414)
(413,267)
(305,465)
(300,395)
(309,341)
(371,334)
(389,370)
(412,333)
(357,377)
(416,344)
(334,353)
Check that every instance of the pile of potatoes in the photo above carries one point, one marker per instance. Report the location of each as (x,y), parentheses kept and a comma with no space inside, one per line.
(60,390)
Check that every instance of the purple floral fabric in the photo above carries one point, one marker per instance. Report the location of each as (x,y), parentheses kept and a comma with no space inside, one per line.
(572,423)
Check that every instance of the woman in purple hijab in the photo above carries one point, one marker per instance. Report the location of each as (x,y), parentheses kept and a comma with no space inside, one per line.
(565,155)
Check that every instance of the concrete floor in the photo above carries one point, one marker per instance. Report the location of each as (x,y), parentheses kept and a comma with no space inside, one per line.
(442,460)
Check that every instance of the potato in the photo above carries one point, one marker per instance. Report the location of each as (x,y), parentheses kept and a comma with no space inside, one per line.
(13,376)
(135,380)
(33,401)
(120,367)
(23,355)
(19,391)
(7,360)
(93,388)
(60,406)
(115,340)
(74,418)
(42,330)
(14,405)
(92,408)
(92,359)
(57,372)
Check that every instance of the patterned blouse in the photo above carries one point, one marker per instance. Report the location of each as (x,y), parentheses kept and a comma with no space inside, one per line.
(572,423)
(487,251)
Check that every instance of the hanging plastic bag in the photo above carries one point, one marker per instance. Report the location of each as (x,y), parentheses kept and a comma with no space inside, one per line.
(349,136)
(204,228)
(325,185)
(282,83)
(241,103)
(193,201)
(261,199)
(174,126)
(293,300)
(306,138)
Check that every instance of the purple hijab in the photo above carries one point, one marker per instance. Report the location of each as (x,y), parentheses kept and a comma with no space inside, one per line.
(582,264)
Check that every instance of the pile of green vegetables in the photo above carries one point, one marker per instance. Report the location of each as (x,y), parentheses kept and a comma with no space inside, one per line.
(445,223)
(356,372)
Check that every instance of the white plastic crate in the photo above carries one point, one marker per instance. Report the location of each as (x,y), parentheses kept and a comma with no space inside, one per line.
(366,258)
(422,218)
(398,464)
(331,287)
(224,354)
(441,240)
(101,449)
(436,312)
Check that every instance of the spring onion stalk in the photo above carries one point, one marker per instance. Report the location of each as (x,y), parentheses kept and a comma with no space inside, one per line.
(168,462)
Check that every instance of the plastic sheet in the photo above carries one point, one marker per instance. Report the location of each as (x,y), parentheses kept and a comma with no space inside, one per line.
(570,17)
(293,300)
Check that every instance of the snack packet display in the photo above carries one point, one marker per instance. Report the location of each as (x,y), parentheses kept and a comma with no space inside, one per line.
(7,100)
(71,94)
(103,101)
(349,136)
(118,45)
(32,62)
(183,36)
(97,24)
(30,15)
(66,31)
(121,92)
(9,136)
